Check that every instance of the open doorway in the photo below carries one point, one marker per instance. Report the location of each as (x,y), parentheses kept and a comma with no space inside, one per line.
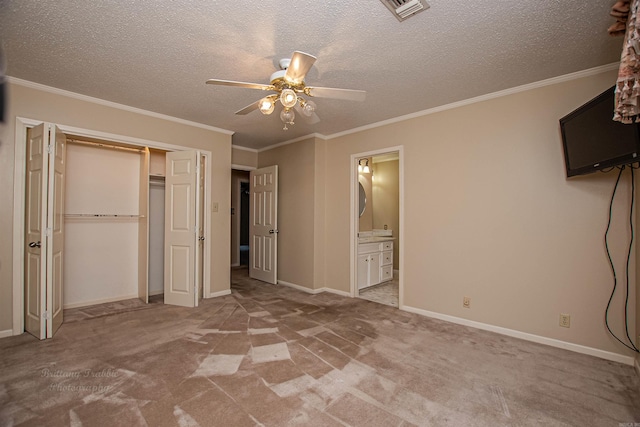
(377,210)
(244,223)
(240,218)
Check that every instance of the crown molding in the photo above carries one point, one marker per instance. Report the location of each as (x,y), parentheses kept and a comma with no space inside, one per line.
(86,98)
(506,92)
(482,98)
(240,147)
(453,105)
(291,141)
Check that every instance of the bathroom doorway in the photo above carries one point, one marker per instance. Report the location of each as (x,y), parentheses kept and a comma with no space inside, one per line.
(377,237)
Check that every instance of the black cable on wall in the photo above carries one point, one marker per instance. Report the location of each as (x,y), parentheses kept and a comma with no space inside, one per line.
(613,269)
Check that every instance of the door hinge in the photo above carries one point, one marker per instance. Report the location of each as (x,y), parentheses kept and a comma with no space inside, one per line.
(48,232)
(49,149)
(46,315)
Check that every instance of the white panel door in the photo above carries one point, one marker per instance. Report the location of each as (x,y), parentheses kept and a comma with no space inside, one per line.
(263,224)
(55,219)
(200,227)
(181,228)
(35,264)
(44,231)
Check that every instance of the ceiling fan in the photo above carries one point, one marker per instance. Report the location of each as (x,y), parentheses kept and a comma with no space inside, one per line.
(291,90)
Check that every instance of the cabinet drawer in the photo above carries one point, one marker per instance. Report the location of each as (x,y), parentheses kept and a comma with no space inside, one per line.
(387,246)
(387,258)
(367,248)
(386,273)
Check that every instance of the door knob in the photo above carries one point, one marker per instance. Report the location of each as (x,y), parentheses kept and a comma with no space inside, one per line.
(34,244)
(273,231)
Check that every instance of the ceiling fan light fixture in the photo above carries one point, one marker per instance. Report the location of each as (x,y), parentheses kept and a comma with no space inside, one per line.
(308,108)
(266,105)
(288,98)
(287,83)
(287,116)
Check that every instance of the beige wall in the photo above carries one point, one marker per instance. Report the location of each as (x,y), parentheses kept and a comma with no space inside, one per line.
(319,237)
(42,105)
(296,210)
(492,216)
(244,157)
(386,200)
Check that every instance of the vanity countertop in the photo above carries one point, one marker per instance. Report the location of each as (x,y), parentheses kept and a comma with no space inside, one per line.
(375,239)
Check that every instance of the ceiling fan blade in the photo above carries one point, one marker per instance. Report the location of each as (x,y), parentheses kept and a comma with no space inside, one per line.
(239,84)
(299,66)
(249,108)
(312,119)
(330,92)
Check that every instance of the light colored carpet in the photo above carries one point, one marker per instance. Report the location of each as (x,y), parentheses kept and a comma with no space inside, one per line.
(273,356)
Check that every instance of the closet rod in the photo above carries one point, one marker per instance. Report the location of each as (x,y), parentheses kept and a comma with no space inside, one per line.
(100,144)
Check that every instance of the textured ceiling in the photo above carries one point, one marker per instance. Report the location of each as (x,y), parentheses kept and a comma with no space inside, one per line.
(157,54)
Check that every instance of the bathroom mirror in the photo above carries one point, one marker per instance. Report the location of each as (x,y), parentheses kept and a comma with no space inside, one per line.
(362,199)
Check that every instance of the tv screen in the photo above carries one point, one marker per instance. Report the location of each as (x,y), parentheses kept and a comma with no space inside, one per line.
(593,141)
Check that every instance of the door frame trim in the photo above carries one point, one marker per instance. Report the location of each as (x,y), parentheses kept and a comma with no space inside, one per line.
(354,219)
(19,180)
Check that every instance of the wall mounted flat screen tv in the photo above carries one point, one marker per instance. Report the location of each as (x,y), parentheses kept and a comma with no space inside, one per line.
(593,141)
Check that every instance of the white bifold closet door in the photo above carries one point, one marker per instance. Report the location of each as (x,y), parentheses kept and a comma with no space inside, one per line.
(44,231)
(183,228)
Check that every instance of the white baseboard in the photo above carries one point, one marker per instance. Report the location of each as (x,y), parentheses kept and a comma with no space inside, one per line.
(99,301)
(220,293)
(7,333)
(627,360)
(298,287)
(313,291)
(637,365)
(237,264)
(335,291)
(158,292)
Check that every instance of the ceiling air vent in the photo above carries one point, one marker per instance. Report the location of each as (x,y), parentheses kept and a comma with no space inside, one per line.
(402,9)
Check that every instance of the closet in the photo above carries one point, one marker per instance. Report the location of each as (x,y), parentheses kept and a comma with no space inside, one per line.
(98,227)
(105,222)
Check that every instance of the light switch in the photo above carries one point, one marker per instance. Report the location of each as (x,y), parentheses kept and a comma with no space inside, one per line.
(214,207)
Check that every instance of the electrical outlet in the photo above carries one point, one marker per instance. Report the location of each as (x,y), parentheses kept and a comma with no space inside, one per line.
(466,302)
(565,320)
